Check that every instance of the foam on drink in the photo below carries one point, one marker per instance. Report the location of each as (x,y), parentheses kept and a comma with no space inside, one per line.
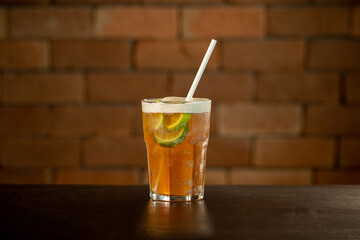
(176,105)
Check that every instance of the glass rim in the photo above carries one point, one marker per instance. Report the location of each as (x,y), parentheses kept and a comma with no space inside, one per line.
(196,100)
(198,106)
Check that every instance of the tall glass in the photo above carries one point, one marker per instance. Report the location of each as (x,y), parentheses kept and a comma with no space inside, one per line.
(176,135)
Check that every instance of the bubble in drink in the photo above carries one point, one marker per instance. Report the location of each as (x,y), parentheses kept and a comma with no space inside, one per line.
(176,135)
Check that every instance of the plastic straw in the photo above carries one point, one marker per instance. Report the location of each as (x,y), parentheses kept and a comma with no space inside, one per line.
(201,70)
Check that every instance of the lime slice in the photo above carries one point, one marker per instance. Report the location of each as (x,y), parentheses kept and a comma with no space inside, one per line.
(170,139)
(176,121)
(155,120)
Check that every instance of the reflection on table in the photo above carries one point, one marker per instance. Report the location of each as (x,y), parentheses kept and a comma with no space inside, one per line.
(182,219)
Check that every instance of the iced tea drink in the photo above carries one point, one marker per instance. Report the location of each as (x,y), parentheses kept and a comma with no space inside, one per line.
(176,135)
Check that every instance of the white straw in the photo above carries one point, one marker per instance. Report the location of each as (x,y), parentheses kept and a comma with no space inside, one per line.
(201,70)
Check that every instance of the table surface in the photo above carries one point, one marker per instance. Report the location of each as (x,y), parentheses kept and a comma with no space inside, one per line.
(228,212)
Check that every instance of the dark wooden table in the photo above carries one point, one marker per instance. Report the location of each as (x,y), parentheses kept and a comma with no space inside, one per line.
(228,212)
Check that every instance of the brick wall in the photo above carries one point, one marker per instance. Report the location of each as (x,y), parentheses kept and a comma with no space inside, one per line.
(284,79)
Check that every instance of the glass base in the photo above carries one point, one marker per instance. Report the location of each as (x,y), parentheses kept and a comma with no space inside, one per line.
(175,198)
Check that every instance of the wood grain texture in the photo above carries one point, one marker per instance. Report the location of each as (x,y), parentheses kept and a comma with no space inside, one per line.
(228,212)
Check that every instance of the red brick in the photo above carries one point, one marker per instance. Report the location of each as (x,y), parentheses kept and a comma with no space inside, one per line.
(44,88)
(298,87)
(357,21)
(228,152)
(50,21)
(137,123)
(215,176)
(116,152)
(300,152)
(213,117)
(338,177)
(350,153)
(264,55)
(217,87)
(92,54)
(29,120)
(3,22)
(353,88)
(271,176)
(144,177)
(125,87)
(97,177)
(308,21)
(333,120)
(25,176)
(40,153)
(113,121)
(222,22)
(23,55)
(136,22)
(174,55)
(249,119)
(342,54)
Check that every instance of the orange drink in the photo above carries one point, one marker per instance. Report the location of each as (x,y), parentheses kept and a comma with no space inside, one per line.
(176,135)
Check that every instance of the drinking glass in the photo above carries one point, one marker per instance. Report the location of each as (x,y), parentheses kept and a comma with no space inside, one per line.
(176,135)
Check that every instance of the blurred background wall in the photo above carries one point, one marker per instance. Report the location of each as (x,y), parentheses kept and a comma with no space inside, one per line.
(284,79)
